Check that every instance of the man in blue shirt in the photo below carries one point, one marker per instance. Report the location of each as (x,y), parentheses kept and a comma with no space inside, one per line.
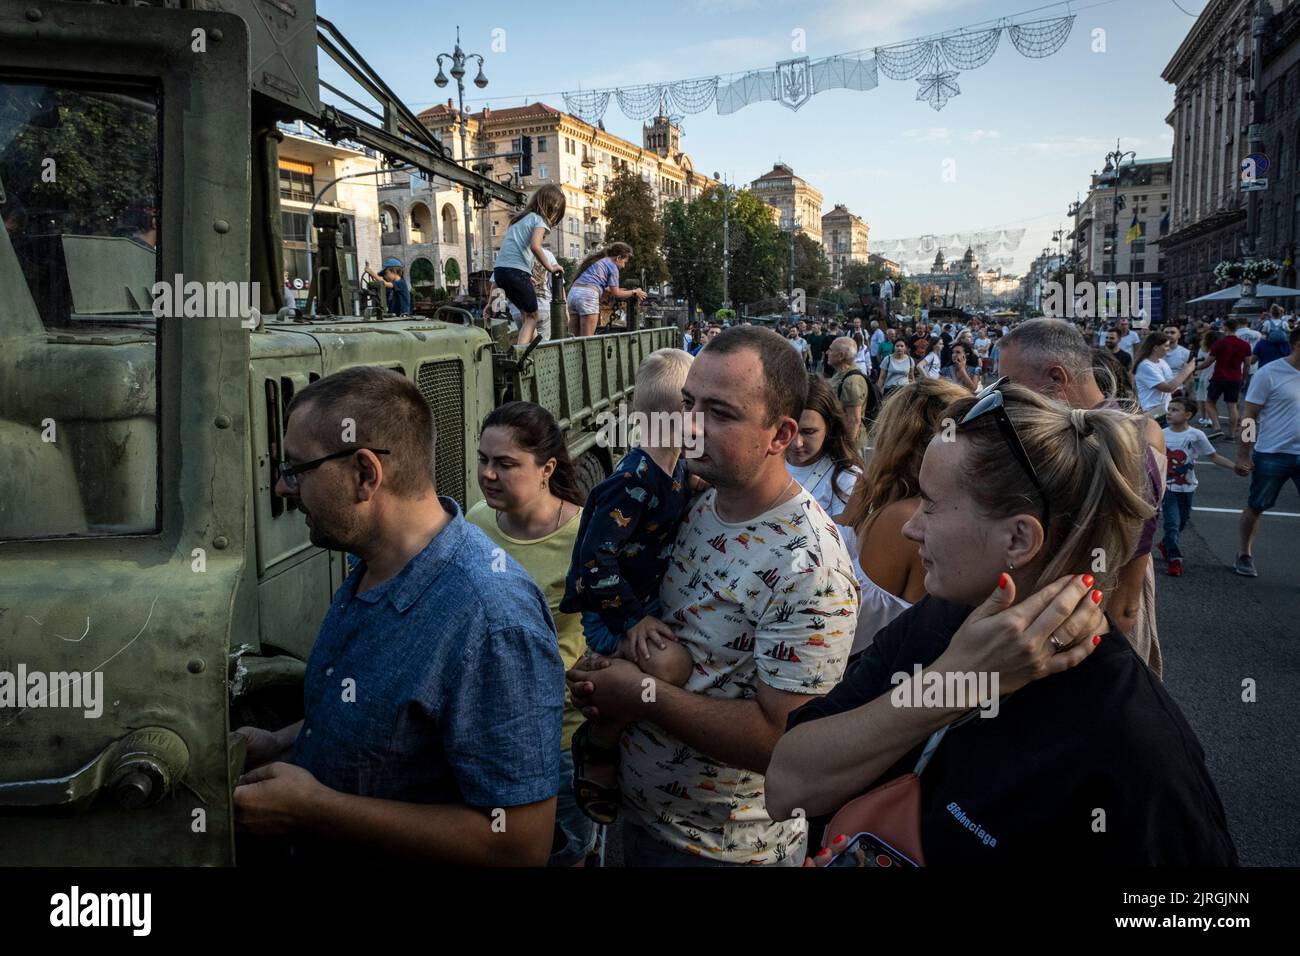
(434,692)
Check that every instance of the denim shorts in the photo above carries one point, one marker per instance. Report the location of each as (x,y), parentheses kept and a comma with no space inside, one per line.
(584,300)
(518,287)
(1271,472)
(575,832)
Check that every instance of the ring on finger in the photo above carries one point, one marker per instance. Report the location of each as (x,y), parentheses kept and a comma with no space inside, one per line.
(1057,645)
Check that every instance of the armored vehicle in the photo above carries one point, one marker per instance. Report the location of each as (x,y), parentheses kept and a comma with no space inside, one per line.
(155,592)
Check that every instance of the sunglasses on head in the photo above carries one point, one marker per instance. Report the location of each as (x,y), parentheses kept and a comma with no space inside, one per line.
(988,401)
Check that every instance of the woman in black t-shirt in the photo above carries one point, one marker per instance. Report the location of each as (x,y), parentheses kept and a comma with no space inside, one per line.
(1078,754)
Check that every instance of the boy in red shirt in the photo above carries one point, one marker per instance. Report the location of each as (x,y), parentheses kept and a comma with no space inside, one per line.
(1229,356)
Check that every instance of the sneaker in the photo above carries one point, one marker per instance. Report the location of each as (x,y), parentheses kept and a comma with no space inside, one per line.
(1175,569)
(1214,433)
(1245,566)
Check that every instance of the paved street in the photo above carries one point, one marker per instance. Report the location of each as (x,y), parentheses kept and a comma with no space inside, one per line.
(1217,629)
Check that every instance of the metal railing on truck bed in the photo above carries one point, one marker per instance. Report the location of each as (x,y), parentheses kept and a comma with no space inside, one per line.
(575,379)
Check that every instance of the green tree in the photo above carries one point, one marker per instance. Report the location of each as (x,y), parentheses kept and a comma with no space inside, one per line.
(692,250)
(632,218)
(570,267)
(812,272)
(757,248)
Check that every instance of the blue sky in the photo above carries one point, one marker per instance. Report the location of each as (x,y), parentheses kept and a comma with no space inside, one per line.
(1021,139)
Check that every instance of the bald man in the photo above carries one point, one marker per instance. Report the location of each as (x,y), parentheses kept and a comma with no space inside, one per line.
(849,385)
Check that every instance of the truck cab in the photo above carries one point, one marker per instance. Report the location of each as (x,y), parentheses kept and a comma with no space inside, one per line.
(155,593)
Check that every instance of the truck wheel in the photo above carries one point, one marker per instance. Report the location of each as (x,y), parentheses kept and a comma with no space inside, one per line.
(591,472)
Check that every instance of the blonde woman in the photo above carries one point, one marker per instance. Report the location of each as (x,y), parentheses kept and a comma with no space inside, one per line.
(597,277)
(886,496)
(521,251)
(1015,502)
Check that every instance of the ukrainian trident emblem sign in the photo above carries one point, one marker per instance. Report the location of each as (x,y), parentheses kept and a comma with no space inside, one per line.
(794,82)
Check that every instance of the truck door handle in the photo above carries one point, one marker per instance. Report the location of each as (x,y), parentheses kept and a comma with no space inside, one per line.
(138,770)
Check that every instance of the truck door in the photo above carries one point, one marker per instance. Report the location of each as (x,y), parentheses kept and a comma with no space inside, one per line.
(124,523)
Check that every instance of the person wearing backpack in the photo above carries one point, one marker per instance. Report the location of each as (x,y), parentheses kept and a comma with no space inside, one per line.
(854,389)
(897,370)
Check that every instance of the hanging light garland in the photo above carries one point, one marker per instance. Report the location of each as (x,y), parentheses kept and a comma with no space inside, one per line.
(935,62)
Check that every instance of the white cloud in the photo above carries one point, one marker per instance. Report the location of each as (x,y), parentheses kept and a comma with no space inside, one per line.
(1090,146)
(977,135)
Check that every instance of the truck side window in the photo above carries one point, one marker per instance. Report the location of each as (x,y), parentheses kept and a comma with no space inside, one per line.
(80,203)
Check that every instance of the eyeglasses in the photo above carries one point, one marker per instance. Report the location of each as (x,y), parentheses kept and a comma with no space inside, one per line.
(289,473)
(989,402)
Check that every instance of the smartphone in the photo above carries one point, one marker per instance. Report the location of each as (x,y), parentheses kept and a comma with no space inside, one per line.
(868,850)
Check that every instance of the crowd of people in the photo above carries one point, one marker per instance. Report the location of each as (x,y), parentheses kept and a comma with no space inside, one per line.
(716,653)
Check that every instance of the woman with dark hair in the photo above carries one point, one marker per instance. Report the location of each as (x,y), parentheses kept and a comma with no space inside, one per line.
(963,373)
(531,510)
(824,460)
(1154,379)
(597,277)
(1082,727)
(1113,377)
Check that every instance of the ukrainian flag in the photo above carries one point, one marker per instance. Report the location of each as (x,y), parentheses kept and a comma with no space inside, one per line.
(1135,230)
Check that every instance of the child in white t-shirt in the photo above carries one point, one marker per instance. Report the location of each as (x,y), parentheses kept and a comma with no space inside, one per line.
(1183,446)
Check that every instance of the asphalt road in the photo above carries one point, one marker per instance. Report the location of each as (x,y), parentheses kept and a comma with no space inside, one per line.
(1218,629)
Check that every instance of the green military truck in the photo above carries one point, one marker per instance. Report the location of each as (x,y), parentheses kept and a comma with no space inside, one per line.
(155,592)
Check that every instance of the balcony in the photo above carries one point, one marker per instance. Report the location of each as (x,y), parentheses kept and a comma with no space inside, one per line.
(589,161)
(393,238)
(591,214)
(591,186)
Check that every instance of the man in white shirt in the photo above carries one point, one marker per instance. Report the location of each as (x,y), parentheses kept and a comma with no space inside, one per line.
(1128,339)
(1273,408)
(800,345)
(1251,336)
(1178,353)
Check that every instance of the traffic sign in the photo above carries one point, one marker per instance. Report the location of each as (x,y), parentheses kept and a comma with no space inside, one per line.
(1254,185)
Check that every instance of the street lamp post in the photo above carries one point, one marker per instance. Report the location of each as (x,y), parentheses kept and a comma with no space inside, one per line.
(1247,306)
(458,59)
(726,239)
(1112,172)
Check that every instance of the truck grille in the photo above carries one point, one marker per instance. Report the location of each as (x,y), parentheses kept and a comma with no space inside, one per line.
(443,386)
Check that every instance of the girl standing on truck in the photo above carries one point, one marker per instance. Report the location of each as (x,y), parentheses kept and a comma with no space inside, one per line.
(597,275)
(521,251)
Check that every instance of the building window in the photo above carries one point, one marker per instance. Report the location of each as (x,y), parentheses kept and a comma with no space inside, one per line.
(541,171)
(296,181)
(1139,246)
(1139,265)
(541,144)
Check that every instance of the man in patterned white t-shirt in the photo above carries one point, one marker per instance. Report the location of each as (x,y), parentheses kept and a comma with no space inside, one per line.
(761,592)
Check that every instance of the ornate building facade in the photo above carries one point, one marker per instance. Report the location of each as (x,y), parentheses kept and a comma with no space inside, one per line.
(844,237)
(800,204)
(1211,75)
(579,158)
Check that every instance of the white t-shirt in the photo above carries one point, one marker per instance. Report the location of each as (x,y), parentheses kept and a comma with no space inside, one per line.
(1250,335)
(877,337)
(1177,358)
(1181,452)
(1276,387)
(1129,340)
(982,346)
(772,600)
(930,365)
(1149,375)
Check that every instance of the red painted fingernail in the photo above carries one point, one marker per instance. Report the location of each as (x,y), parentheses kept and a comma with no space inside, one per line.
(825,852)
(838,840)
(1087,580)
(1096,597)
(1096,639)
(1002,581)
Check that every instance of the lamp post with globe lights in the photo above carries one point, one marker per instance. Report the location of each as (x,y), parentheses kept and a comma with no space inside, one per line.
(458,59)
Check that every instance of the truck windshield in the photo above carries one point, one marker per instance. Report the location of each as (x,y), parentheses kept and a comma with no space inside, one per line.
(79,200)
(79,180)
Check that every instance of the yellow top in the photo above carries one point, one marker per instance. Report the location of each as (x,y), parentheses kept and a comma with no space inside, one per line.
(546,559)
